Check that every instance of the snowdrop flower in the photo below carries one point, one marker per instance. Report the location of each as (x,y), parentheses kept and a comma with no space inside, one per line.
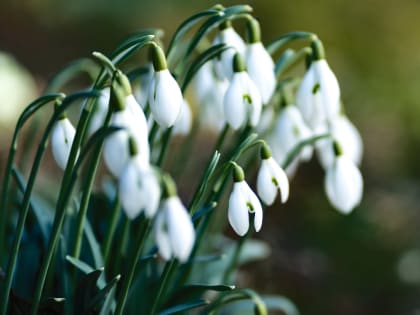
(131,118)
(343,182)
(289,130)
(318,96)
(165,97)
(345,133)
(228,36)
(271,179)
(174,230)
(259,63)
(209,92)
(242,203)
(61,141)
(100,110)
(138,188)
(242,101)
(183,123)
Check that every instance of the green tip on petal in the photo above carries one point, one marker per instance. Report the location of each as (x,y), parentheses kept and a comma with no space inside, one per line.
(253,31)
(238,173)
(265,151)
(318,51)
(218,6)
(132,145)
(169,186)
(158,58)
(337,148)
(238,63)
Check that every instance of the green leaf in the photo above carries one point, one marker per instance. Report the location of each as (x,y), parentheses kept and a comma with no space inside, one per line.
(86,289)
(188,24)
(184,307)
(298,147)
(81,265)
(101,295)
(287,38)
(203,211)
(130,45)
(228,14)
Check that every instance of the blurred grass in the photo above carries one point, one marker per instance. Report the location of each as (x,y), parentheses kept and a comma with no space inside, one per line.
(328,264)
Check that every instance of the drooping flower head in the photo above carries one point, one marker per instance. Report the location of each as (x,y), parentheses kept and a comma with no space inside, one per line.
(62,140)
(165,97)
(242,101)
(242,203)
(318,96)
(228,36)
(271,179)
(345,133)
(260,65)
(343,182)
(173,228)
(129,116)
(138,187)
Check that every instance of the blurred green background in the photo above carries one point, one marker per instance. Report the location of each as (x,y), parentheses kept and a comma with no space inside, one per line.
(366,263)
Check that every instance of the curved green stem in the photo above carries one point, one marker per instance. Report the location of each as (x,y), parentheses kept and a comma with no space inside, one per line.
(166,275)
(69,179)
(116,211)
(27,113)
(27,196)
(144,231)
(287,38)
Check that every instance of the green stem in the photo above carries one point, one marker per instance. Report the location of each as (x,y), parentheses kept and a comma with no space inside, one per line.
(235,257)
(28,112)
(66,188)
(165,146)
(116,211)
(166,275)
(144,231)
(287,38)
(124,244)
(87,191)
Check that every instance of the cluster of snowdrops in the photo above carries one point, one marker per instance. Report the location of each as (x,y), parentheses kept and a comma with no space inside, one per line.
(241,92)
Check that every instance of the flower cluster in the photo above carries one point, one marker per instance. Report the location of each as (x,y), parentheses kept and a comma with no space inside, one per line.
(128,120)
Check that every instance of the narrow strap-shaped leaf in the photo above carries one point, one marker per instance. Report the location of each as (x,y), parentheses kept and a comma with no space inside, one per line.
(184,307)
(101,295)
(81,265)
(128,48)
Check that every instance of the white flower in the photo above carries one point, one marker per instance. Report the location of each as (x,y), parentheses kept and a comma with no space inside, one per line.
(271,179)
(289,130)
(348,137)
(343,184)
(223,65)
(183,123)
(318,96)
(116,148)
(242,202)
(139,189)
(260,67)
(165,98)
(209,92)
(61,141)
(100,111)
(242,101)
(174,230)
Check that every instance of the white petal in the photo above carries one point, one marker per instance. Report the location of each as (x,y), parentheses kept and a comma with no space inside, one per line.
(180,229)
(165,98)
(183,123)
(61,141)
(265,186)
(280,177)
(256,205)
(344,184)
(161,235)
(238,211)
(142,91)
(100,111)
(260,67)
(116,152)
